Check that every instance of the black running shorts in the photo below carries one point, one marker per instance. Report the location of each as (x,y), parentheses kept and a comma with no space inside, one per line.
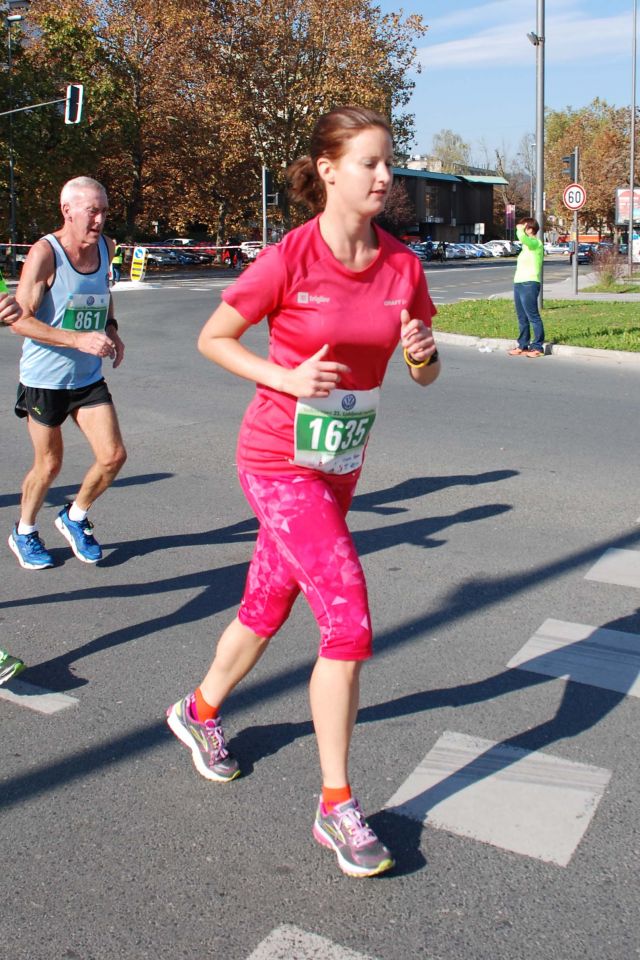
(52,407)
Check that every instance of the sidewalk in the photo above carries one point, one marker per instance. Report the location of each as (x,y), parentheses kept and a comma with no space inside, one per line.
(563,290)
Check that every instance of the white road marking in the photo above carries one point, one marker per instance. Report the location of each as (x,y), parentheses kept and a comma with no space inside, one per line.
(528,802)
(176,283)
(594,655)
(621,567)
(290,943)
(35,698)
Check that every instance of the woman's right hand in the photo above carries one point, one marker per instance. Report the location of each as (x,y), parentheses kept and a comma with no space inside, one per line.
(314,377)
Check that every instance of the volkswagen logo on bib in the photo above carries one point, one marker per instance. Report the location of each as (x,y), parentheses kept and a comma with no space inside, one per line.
(348,402)
(90,301)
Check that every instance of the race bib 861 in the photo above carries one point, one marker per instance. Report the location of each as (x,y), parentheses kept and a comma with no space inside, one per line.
(86,312)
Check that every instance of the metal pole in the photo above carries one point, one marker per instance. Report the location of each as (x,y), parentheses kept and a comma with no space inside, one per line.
(632,135)
(574,262)
(12,192)
(540,127)
(264,206)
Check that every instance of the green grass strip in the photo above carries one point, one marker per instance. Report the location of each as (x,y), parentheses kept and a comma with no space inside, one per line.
(603,325)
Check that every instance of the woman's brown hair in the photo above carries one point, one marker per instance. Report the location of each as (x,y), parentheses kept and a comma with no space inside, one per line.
(330,136)
(530,224)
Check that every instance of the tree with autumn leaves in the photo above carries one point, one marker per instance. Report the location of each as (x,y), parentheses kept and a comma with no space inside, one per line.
(602,133)
(186,100)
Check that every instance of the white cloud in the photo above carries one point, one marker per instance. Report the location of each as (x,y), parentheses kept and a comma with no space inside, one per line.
(569,38)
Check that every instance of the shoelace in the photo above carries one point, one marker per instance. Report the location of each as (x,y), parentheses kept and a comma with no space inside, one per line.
(86,527)
(215,737)
(34,543)
(355,825)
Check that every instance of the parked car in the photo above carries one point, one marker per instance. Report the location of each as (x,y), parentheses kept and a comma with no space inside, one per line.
(250,249)
(421,250)
(481,250)
(585,253)
(158,258)
(470,251)
(562,248)
(455,252)
(492,251)
(497,247)
(552,248)
(178,242)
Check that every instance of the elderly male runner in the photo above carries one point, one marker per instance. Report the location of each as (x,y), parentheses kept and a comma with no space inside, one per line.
(69,328)
(9,312)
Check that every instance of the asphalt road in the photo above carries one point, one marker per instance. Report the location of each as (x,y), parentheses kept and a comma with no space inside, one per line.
(485,501)
(480,279)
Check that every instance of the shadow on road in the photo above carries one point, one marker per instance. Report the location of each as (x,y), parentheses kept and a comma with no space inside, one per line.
(56,496)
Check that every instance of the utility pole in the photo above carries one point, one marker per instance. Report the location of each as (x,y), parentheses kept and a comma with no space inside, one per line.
(632,150)
(574,262)
(537,39)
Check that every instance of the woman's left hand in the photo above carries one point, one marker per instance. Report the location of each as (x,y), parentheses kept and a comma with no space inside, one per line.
(416,338)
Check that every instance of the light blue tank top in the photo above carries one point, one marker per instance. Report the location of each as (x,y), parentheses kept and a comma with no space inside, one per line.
(75,301)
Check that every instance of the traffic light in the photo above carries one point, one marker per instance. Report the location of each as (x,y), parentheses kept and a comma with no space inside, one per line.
(569,167)
(272,196)
(73,103)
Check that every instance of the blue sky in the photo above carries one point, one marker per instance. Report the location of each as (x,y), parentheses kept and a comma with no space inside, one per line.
(478,68)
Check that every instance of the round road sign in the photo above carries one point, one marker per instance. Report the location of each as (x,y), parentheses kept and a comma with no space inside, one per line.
(574,196)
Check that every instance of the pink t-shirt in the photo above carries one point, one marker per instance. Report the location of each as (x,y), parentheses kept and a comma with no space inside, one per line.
(310,299)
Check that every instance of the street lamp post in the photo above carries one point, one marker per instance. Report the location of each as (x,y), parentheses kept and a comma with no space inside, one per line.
(538,39)
(632,136)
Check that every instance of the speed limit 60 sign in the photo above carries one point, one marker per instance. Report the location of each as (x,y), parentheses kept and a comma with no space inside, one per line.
(574,196)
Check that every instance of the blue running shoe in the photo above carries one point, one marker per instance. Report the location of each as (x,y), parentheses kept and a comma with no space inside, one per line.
(79,535)
(9,666)
(30,550)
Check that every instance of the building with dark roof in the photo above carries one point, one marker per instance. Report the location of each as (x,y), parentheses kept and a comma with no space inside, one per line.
(449,206)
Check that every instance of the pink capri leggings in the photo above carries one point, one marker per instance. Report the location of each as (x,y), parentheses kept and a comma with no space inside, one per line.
(304,544)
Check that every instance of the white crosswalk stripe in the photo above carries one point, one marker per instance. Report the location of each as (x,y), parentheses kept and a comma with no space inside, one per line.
(25,694)
(594,655)
(199,285)
(528,802)
(290,943)
(620,567)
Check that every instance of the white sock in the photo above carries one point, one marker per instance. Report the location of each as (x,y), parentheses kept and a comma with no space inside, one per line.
(25,528)
(76,514)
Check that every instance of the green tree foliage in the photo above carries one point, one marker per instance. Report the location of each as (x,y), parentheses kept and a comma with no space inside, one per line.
(185,100)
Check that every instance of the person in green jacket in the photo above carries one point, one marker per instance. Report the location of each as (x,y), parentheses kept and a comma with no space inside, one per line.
(116,263)
(526,290)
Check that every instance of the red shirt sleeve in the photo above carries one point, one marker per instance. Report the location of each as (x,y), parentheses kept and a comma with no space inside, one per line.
(260,289)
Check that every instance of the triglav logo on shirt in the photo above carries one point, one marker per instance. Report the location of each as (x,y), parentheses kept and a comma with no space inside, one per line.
(312,298)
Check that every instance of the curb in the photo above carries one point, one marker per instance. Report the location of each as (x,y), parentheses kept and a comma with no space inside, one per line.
(487,345)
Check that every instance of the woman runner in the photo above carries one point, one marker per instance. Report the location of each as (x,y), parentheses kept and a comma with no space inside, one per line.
(339,293)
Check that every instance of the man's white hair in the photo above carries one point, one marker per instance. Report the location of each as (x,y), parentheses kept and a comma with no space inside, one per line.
(76,186)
